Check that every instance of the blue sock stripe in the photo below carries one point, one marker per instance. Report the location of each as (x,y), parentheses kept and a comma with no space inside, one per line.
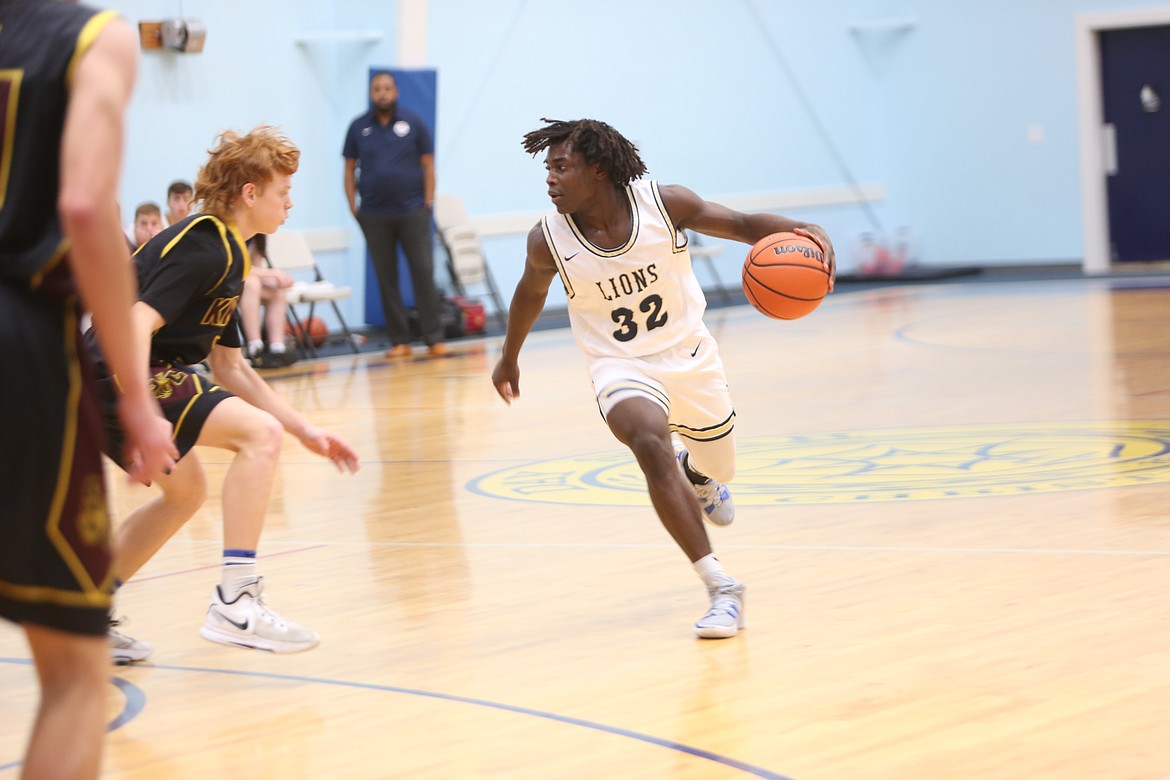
(239,553)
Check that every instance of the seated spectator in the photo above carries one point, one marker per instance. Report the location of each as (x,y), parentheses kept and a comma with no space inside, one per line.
(147,223)
(179,196)
(267,287)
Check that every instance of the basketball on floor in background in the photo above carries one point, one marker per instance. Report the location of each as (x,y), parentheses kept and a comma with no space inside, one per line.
(316,327)
(784,276)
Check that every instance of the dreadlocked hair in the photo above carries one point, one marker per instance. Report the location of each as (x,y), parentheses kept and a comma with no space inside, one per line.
(239,159)
(596,142)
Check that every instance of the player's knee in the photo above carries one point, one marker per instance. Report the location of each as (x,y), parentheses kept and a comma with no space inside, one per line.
(194,495)
(186,486)
(653,452)
(264,436)
(67,664)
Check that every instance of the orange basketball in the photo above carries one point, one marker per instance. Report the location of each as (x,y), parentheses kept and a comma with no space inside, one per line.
(784,276)
(318,331)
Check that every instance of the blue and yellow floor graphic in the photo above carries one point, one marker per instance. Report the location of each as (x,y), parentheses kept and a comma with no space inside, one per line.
(898,464)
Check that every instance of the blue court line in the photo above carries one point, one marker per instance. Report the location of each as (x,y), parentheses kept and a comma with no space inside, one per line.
(136,701)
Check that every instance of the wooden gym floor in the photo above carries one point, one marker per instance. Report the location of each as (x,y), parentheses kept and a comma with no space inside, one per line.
(952,519)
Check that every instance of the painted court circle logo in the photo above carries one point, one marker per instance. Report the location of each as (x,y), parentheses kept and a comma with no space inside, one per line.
(901,464)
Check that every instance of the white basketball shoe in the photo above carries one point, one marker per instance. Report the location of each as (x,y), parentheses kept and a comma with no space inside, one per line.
(126,649)
(726,616)
(246,621)
(714,497)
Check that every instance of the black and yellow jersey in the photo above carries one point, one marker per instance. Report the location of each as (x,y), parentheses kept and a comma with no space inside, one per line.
(192,274)
(36,74)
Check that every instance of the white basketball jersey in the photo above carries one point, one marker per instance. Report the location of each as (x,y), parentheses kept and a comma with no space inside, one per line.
(633,300)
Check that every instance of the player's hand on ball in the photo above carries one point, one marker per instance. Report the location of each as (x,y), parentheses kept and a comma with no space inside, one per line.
(818,234)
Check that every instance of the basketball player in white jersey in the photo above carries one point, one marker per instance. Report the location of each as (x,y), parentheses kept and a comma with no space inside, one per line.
(636,310)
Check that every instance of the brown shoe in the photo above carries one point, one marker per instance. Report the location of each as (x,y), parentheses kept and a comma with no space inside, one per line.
(399,350)
(439,350)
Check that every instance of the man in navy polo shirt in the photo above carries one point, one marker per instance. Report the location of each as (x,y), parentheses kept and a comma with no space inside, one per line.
(390,161)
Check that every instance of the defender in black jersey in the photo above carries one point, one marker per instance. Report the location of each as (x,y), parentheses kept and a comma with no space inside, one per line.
(191,274)
(190,277)
(66,73)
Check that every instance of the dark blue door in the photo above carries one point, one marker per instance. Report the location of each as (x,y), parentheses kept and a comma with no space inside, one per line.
(1135,81)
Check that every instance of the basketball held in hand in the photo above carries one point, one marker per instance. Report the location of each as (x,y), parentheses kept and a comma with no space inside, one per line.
(785,276)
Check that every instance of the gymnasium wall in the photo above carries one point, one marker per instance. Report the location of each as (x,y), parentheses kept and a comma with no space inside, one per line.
(957,120)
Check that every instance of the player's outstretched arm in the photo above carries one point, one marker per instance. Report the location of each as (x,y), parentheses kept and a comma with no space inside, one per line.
(527,304)
(237,375)
(690,211)
(331,446)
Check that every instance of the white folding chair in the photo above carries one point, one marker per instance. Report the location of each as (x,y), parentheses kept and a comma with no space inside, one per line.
(466,262)
(705,252)
(289,251)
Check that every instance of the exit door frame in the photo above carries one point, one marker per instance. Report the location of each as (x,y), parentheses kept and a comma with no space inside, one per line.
(1091,125)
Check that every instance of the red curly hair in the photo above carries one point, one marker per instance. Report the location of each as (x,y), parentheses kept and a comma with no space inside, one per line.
(239,159)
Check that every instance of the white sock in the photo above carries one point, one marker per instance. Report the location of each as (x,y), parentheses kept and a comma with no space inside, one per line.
(255,346)
(276,348)
(710,570)
(237,571)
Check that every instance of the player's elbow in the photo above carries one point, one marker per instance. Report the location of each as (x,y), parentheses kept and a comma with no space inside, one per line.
(530,298)
(79,210)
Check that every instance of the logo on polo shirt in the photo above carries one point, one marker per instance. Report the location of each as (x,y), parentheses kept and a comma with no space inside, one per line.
(401,128)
